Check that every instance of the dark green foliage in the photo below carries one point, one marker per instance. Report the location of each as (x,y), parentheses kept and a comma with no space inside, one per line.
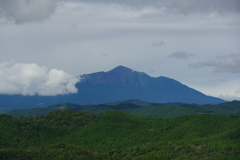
(43,111)
(66,134)
(131,101)
(8,128)
(163,111)
(51,152)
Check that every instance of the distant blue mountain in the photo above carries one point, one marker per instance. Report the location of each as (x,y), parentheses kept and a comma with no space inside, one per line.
(118,84)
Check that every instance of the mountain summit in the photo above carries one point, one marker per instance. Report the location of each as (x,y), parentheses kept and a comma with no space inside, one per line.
(118,76)
(118,84)
(122,83)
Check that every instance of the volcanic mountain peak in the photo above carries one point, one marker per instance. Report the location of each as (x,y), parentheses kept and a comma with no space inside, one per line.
(119,75)
(121,69)
(122,83)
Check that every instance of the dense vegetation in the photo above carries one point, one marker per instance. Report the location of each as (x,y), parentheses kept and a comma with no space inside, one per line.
(67,134)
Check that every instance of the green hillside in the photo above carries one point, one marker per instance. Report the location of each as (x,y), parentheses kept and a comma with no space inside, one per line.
(34,112)
(131,101)
(163,111)
(67,134)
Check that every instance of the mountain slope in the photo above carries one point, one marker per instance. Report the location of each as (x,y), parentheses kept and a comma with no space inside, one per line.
(123,83)
(118,84)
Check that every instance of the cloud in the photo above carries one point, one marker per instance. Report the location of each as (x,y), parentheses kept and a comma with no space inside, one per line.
(31,79)
(181,55)
(157,44)
(177,6)
(229,97)
(227,63)
(150,70)
(238,92)
(103,54)
(217,79)
(21,11)
(203,6)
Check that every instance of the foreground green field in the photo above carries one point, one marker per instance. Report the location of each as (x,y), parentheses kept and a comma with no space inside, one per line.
(66,134)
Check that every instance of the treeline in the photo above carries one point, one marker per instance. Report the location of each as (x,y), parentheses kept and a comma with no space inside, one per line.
(139,108)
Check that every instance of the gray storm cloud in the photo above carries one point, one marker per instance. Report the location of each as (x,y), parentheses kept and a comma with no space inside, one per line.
(227,63)
(157,44)
(181,55)
(22,11)
(202,6)
(31,79)
(179,6)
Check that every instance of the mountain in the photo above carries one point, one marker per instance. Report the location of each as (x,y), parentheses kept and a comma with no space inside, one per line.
(123,83)
(118,84)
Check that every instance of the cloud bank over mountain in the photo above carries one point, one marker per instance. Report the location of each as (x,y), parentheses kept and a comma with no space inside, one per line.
(181,39)
(31,79)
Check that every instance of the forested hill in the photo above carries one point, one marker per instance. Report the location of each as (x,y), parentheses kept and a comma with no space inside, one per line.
(66,134)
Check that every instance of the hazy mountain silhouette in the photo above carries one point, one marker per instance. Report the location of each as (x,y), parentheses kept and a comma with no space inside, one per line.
(118,84)
(123,83)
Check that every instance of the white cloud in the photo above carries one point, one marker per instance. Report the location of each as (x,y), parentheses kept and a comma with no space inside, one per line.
(31,79)
(228,63)
(22,11)
(126,33)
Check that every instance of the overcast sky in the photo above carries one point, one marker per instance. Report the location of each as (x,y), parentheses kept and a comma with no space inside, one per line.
(45,44)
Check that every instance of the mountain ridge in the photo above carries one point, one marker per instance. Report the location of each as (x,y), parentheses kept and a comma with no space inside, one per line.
(140,86)
(117,75)
(138,108)
(118,84)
